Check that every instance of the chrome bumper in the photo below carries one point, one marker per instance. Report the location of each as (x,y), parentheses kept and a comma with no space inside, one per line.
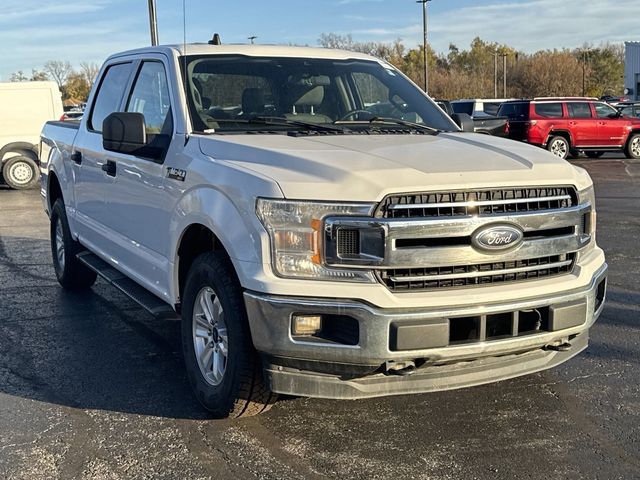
(291,363)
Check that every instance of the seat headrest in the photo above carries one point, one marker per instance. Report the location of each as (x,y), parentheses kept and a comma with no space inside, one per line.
(253,100)
(308,97)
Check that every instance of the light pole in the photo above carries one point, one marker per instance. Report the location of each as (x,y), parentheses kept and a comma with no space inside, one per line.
(504,74)
(495,74)
(153,22)
(425,44)
(252,39)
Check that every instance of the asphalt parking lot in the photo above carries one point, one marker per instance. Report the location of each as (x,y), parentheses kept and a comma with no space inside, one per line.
(93,387)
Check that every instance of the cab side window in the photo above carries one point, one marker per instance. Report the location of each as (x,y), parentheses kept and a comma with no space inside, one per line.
(114,82)
(150,97)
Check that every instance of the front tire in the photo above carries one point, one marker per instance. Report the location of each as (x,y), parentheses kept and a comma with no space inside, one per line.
(632,149)
(20,173)
(559,146)
(71,273)
(224,369)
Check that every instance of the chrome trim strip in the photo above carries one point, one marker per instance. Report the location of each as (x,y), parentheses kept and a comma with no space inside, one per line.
(486,273)
(472,203)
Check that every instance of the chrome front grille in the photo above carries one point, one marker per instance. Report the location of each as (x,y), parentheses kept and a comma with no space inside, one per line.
(429,240)
(412,279)
(491,201)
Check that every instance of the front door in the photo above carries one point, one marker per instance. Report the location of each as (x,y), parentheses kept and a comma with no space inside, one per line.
(138,207)
(611,125)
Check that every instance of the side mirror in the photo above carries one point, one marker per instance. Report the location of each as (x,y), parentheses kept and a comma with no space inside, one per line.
(124,132)
(615,115)
(464,121)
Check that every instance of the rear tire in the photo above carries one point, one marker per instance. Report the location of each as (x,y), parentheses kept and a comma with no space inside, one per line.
(71,273)
(594,154)
(224,369)
(632,150)
(20,173)
(559,146)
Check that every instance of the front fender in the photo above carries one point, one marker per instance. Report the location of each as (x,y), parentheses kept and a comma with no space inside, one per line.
(235,225)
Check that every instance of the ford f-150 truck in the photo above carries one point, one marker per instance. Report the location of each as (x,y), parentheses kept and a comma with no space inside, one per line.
(309,245)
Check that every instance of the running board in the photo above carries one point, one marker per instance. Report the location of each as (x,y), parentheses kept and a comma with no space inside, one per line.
(131,289)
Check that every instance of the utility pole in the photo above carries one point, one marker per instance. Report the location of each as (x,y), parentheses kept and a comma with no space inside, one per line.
(252,39)
(504,78)
(153,22)
(584,73)
(495,74)
(425,44)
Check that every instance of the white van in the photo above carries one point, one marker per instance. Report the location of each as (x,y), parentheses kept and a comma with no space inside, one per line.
(24,108)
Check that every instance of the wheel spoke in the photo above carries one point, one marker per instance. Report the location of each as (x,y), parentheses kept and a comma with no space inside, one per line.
(205,303)
(202,322)
(205,358)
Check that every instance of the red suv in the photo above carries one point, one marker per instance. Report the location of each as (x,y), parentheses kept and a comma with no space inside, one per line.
(571,125)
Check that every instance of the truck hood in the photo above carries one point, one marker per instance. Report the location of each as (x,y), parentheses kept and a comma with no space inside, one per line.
(369,167)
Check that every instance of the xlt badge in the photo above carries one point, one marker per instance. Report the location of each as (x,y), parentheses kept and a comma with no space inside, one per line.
(176,174)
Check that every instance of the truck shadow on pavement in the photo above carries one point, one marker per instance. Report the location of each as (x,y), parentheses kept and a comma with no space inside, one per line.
(87,350)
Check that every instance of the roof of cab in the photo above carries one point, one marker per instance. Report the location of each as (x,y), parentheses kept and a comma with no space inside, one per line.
(252,51)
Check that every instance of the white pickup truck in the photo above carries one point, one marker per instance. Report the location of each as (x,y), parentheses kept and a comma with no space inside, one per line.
(319,225)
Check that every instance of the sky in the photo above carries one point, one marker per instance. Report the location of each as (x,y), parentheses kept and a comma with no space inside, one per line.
(34,31)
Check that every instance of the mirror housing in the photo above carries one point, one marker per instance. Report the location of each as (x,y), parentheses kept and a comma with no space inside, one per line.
(124,132)
(615,115)
(464,121)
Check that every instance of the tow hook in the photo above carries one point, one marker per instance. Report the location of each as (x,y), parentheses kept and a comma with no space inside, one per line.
(563,347)
(400,368)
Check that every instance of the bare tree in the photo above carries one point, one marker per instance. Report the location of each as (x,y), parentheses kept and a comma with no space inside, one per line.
(59,71)
(38,75)
(89,71)
(18,76)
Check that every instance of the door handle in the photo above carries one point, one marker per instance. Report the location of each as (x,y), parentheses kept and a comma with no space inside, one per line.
(110,168)
(76,157)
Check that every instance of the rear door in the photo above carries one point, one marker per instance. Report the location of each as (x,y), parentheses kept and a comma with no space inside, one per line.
(90,182)
(583,126)
(611,125)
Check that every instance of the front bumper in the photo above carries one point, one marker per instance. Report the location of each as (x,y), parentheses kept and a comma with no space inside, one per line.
(334,370)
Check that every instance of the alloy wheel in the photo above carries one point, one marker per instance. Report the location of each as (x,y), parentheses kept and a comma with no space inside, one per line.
(210,340)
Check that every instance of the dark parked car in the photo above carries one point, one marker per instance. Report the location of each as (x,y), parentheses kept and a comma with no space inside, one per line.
(482,122)
(629,109)
(571,125)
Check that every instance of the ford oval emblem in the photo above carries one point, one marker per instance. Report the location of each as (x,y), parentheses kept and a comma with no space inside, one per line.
(497,237)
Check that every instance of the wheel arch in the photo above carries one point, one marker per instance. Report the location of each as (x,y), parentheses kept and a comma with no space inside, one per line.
(195,240)
(560,133)
(23,148)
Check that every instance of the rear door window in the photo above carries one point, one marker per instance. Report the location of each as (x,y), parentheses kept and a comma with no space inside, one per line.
(112,87)
(549,110)
(579,110)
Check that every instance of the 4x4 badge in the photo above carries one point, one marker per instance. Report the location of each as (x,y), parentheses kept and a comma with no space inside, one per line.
(176,174)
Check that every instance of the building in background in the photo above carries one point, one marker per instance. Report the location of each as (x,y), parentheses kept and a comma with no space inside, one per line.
(632,70)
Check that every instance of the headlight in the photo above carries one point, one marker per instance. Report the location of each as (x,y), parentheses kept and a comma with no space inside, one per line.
(295,228)
(588,196)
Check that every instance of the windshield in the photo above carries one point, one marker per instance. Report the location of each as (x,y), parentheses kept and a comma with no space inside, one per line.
(229,94)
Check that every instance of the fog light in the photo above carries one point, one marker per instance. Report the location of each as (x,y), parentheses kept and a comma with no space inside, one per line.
(306,324)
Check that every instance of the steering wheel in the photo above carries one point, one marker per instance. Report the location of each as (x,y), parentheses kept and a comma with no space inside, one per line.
(352,113)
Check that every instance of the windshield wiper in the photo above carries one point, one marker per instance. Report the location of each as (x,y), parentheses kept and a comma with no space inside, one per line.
(298,123)
(405,123)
